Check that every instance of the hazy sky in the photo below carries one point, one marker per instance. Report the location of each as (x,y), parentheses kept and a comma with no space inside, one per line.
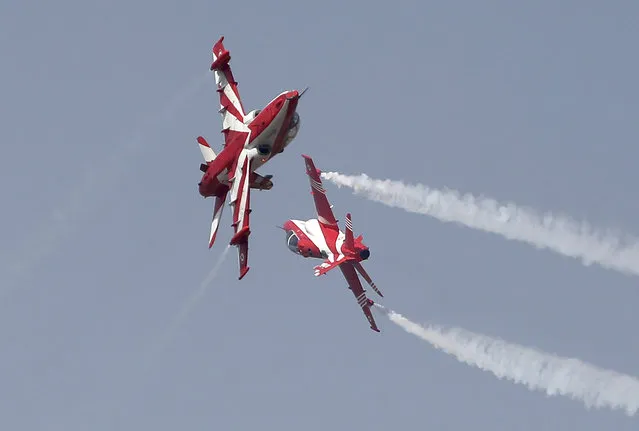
(104,235)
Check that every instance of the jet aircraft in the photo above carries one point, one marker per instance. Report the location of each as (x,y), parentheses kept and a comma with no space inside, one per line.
(250,140)
(321,238)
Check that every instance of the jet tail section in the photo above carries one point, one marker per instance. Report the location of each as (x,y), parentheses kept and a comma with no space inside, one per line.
(349,241)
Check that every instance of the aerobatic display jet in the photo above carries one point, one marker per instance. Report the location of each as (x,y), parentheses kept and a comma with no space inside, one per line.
(250,140)
(321,238)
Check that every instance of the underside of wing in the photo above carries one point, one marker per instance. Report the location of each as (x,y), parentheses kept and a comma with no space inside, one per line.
(231,106)
(360,295)
(217,215)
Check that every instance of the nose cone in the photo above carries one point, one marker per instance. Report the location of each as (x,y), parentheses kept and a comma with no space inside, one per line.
(365,254)
(292,95)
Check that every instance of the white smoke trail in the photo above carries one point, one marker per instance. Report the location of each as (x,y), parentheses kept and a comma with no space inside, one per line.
(536,370)
(192,301)
(555,232)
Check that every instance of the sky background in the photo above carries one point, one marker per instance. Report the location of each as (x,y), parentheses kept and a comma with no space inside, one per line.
(104,235)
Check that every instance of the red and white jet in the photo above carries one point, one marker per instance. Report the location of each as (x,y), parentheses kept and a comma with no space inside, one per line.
(321,238)
(250,140)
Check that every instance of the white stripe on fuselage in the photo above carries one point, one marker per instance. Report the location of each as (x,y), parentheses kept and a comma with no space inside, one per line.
(313,231)
(269,134)
(339,242)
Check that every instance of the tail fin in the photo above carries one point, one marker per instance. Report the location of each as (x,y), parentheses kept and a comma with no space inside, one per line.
(207,152)
(349,241)
(362,271)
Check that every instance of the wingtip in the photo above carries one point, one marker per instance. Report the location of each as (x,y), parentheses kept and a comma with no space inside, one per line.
(243,272)
(310,164)
(202,141)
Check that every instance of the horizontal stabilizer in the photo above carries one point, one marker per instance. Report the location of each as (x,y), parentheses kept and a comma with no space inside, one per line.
(327,265)
(207,152)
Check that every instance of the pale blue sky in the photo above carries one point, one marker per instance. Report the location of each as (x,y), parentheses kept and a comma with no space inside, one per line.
(532,102)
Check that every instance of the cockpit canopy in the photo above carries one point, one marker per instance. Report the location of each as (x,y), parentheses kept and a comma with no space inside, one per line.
(293,128)
(302,247)
(291,241)
(251,116)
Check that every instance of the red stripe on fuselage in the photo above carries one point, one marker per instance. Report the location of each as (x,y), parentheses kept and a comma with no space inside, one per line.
(278,144)
(304,242)
(330,236)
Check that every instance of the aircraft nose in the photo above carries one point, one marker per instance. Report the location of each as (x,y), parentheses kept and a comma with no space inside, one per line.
(365,254)
(291,95)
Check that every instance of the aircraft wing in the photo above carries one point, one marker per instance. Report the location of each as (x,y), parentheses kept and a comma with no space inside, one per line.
(323,208)
(231,106)
(356,287)
(239,176)
(327,265)
(217,215)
